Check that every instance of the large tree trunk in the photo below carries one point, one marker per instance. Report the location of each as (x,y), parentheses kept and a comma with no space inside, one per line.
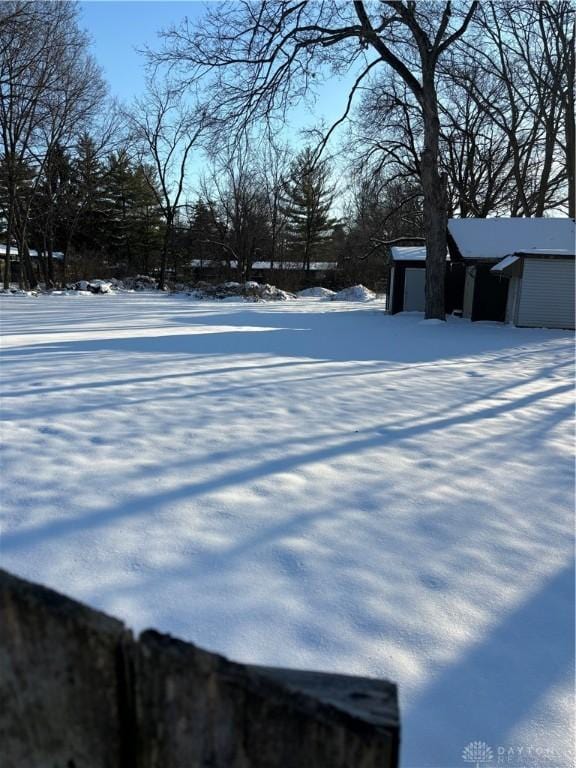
(435,206)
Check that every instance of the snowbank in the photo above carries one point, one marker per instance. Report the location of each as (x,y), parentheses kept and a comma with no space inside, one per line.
(354,293)
(316,293)
(137,283)
(232,291)
(17,292)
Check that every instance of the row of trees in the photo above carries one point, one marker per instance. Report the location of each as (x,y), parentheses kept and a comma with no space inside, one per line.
(107,187)
(505,112)
(454,109)
(50,89)
(469,105)
(107,213)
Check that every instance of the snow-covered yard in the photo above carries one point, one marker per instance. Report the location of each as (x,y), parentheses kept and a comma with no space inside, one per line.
(310,484)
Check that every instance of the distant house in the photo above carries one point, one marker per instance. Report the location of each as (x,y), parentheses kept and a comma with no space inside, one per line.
(319,269)
(265,270)
(35,258)
(406,288)
(14,254)
(517,270)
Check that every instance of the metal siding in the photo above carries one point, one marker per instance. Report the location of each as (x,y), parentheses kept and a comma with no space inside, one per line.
(547,294)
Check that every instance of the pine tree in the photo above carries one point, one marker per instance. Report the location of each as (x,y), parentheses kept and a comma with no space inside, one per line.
(134,228)
(88,209)
(206,233)
(147,222)
(308,196)
(50,209)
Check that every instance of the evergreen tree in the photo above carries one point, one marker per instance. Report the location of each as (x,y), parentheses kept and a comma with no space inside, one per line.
(87,213)
(206,232)
(132,215)
(147,222)
(307,203)
(50,210)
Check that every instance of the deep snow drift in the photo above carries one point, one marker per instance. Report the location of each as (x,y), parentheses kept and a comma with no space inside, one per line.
(310,484)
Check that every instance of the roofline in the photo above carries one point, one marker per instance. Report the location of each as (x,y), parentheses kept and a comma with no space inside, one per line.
(543,255)
(453,249)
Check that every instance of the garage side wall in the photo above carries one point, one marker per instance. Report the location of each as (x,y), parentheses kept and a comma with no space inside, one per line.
(547,294)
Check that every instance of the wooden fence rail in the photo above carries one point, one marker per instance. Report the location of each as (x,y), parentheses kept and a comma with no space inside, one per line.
(77,690)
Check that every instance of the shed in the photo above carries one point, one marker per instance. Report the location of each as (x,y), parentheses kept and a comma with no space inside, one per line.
(481,244)
(407,285)
(541,288)
(406,288)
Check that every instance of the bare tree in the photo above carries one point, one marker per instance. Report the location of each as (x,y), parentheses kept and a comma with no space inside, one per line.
(523,79)
(274,165)
(49,86)
(236,188)
(263,58)
(90,147)
(166,130)
(506,115)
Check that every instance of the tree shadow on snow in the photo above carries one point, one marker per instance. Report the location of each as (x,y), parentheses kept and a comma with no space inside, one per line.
(346,336)
(369,439)
(500,681)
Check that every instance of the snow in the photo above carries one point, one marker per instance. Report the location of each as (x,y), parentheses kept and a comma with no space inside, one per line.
(408,253)
(497,238)
(354,293)
(13,291)
(317,292)
(309,484)
(505,263)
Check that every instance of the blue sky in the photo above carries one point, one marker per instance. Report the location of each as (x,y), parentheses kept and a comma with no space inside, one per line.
(118,29)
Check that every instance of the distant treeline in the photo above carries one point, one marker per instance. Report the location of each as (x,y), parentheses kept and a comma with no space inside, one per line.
(479,123)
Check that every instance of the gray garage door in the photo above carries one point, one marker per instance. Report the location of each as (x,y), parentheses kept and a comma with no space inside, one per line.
(547,294)
(414,286)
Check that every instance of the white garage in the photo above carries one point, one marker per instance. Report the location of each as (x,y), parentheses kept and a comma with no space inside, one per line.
(542,288)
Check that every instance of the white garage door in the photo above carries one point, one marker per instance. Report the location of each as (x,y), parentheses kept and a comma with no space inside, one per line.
(547,294)
(414,290)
